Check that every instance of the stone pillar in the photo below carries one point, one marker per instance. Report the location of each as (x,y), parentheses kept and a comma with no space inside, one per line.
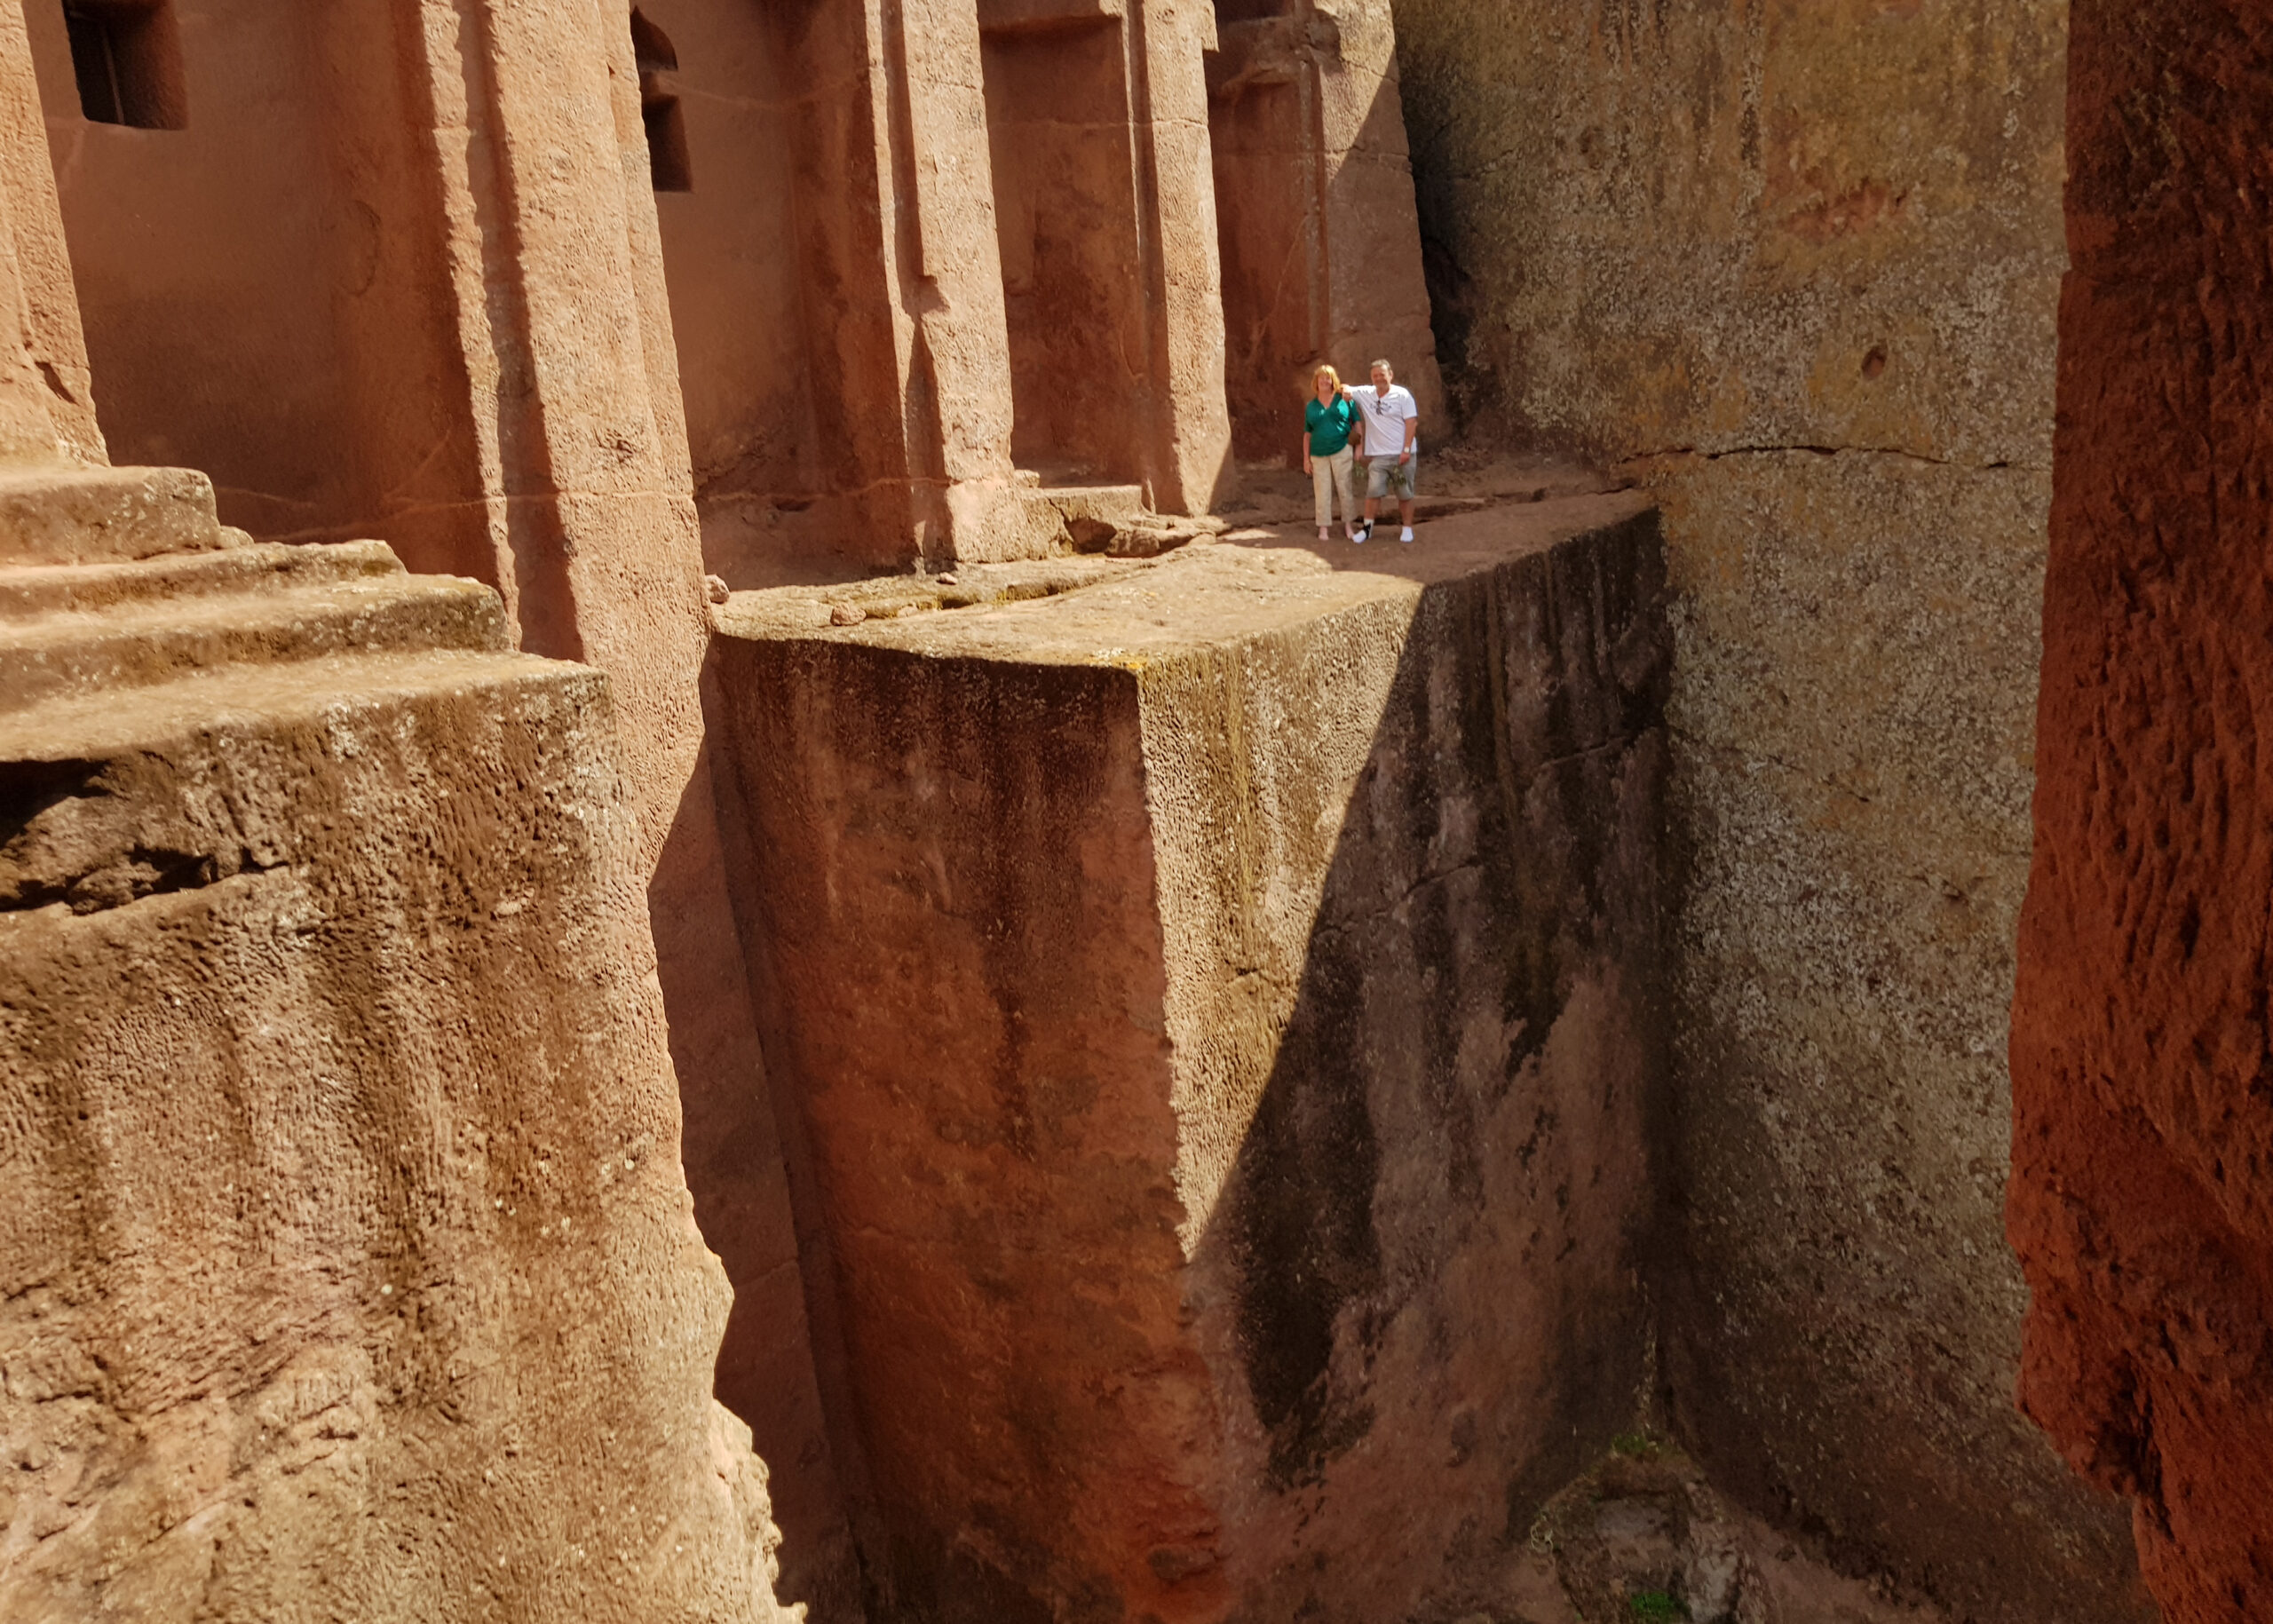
(553,230)
(562,336)
(46,411)
(954,395)
(1313,171)
(1188,464)
(1377,303)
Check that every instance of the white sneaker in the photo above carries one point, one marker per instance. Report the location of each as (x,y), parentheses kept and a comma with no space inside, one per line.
(1357,537)
(1407,536)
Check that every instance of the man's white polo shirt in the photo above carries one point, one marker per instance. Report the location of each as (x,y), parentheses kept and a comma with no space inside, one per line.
(1386,416)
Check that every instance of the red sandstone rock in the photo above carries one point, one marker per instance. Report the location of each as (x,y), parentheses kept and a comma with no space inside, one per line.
(1323,264)
(1217,1006)
(2141,1198)
(348,1269)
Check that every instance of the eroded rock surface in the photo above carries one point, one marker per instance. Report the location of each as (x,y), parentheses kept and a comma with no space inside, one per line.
(2142,1189)
(349,1271)
(1642,1535)
(1793,269)
(1220,1006)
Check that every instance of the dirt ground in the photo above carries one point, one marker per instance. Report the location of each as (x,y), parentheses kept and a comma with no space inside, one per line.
(1643,1538)
(1452,477)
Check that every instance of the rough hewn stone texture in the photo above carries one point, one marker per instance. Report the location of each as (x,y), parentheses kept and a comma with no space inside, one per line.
(1219,1007)
(1794,266)
(46,411)
(349,1271)
(1314,207)
(2143,1179)
(400,276)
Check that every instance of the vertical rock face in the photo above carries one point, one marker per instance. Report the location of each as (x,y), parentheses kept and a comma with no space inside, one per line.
(1408,885)
(350,1271)
(396,271)
(1220,1009)
(2142,1182)
(1314,207)
(1794,268)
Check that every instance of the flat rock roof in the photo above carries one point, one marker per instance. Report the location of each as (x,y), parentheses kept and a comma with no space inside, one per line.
(1106,611)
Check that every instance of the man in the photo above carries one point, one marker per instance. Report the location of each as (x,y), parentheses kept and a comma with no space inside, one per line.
(1392,446)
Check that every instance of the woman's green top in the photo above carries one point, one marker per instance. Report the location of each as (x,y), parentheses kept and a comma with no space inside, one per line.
(1329,425)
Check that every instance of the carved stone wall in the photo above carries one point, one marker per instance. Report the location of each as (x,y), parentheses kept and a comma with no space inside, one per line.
(1793,269)
(349,1268)
(1218,1009)
(1314,207)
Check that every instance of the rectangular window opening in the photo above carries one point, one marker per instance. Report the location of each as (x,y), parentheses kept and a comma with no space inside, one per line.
(126,55)
(667,145)
(658,109)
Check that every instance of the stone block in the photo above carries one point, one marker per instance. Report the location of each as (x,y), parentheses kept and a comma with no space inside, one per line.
(83,515)
(1217,1014)
(998,15)
(349,1269)
(144,642)
(254,568)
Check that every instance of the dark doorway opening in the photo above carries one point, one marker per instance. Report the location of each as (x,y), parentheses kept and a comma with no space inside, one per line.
(127,58)
(658,109)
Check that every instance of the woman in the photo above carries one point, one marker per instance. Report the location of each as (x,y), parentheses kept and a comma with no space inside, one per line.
(1330,420)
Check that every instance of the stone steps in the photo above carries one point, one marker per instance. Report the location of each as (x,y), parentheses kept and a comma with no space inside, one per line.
(139,740)
(95,727)
(107,798)
(174,616)
(27,591)
(86,515)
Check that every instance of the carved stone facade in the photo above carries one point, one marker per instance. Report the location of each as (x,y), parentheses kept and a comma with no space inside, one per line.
(633,839)
(578,303)
(905,269)
(348,1269)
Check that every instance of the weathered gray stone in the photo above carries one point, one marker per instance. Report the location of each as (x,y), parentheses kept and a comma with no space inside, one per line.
(1795,269)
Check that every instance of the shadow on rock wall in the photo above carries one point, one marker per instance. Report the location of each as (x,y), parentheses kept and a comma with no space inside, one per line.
(1422,1289)
(1227,1062)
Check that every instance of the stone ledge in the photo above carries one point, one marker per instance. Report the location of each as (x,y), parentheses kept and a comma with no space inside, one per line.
(150,642)
(84,515)
(1107,611)
(30,589)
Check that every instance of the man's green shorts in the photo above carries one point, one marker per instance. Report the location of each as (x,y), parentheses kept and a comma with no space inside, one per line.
(1385,475)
